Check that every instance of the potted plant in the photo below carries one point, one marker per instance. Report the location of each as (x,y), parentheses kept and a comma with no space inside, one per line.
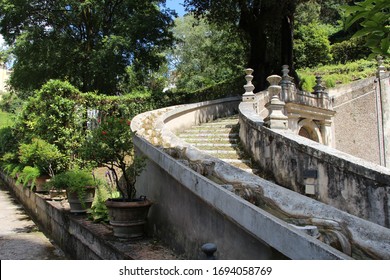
(41,156)
(111,145)
(28,176)
(80,188)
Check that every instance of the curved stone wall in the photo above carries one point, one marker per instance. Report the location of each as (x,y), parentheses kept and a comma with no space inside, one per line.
(351,184)
(200,199)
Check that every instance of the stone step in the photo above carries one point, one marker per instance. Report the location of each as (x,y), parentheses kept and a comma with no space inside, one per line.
(208,130)
(219,139)
(215,141)
(231,152)
(229,160)
(217,125)
(209,135)
(215,145)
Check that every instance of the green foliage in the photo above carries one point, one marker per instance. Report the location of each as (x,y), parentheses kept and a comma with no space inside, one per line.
(12,169)
(99,212)
(373,16)
(74,180)
(89,43)
(28,175)
(7,142)
(9,152)
(54,115)
(336,74)
(307,12)
(311,45)
(9,103)
(6,119)
(42,155)
(204,54)
(264,26)
(111,145)
(349,50)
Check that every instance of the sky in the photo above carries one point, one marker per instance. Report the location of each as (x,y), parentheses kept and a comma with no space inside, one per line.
(176,5)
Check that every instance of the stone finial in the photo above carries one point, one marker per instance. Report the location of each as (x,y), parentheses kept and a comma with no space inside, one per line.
(322,95)
(276,118)
(249,87)
(318,88)
(285,77)
(274,88)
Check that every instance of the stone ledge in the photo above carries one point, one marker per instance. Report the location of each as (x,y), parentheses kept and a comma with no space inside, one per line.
(78,237)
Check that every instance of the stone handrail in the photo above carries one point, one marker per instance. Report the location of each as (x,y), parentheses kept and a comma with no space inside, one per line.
(276,215)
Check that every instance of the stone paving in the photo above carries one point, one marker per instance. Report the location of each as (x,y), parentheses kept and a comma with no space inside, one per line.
(20,238)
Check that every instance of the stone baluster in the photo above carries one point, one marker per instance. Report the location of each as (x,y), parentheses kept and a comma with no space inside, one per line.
(381,67)
(276,118)
(287,84)
(249,87)
(319,88)
(322,95)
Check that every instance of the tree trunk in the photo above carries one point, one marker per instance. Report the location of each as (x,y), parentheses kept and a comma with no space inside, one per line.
(271,41)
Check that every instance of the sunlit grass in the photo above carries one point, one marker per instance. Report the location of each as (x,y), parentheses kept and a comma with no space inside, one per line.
(337,74)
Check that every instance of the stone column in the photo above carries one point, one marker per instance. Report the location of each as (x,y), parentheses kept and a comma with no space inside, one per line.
(249,87)
(293,120)
(326,133)
(384,91)
(276,118)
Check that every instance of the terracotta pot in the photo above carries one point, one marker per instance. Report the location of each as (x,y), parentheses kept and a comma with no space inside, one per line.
(40,182)
(77,206)
(128,218)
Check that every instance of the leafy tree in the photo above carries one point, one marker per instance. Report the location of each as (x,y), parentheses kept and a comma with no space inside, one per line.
(373,16)
(331,10)
(204,54)
(267,25)
(90,43)
(311,45)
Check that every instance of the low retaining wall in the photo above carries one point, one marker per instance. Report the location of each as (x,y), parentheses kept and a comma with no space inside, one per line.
(77,237)
(353,185)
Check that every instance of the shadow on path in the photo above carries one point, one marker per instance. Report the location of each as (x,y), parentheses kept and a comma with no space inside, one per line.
(20,238)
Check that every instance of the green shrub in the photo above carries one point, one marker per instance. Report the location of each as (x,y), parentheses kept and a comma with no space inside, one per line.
(6,119)
(42,155)
(27,175)
(75,180)
(10,103)
(308,82)
(349,50)
(7,140)
(311,45)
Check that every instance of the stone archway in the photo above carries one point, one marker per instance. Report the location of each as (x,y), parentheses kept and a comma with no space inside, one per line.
(308,128)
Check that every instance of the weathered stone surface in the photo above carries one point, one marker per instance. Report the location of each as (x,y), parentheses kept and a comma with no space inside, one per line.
(274,204)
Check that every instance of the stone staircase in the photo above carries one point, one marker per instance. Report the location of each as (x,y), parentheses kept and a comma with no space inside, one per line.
(220,139)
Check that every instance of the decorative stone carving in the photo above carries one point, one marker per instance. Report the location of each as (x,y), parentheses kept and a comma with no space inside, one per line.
(249,87)
(319,90)
(276,118)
